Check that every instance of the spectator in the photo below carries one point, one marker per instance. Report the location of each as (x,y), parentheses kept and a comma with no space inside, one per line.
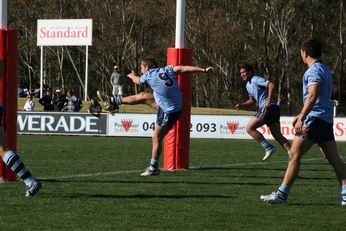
(35,91)
(95,107)
(29,104)
(117,82)
(59,100)
(73,103)
(46,101)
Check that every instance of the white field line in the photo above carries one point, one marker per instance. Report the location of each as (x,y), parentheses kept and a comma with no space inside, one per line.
(191,168)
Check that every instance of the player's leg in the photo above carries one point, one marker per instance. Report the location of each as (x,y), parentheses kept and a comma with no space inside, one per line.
(315,130)
(13,161)
(272,118)
(140,98)
(251,129)
(329,150)
(275,129)
(299,147)
(163,124)
(157,140)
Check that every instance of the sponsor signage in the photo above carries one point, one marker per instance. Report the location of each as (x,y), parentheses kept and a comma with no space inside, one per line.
(202,126)
(208,126)
(142,125)
(61,123)
(128,124)
(64,32)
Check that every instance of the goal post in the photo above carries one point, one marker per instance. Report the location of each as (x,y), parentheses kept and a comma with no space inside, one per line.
(177,140)
(8,92)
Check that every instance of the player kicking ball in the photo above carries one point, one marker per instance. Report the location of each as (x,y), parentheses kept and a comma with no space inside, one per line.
(166,100)
(13,161)
(261,91)
(108,102)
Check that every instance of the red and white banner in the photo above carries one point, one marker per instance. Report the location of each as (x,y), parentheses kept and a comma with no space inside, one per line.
(64,32)
(123,124)
(207,126)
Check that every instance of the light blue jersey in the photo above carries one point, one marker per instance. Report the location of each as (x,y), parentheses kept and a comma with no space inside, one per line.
(164,83)
(257,88)
(318,73)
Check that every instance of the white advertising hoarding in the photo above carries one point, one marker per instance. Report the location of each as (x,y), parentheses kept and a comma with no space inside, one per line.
(142,125)
(207,126)
(128,124)
(201,126)
(64,32)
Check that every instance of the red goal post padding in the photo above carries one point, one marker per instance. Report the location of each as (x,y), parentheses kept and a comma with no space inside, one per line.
(177,141)
(8,92)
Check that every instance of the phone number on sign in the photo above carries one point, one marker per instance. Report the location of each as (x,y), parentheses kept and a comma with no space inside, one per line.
(199,127)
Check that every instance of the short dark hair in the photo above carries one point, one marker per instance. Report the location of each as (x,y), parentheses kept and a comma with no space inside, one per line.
(150,62)
(312,47)
(247,67)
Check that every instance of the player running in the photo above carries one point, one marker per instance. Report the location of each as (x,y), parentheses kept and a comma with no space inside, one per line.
(261,92)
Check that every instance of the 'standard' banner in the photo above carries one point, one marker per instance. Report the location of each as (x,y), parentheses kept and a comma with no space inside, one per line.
(64,32)
(61,123)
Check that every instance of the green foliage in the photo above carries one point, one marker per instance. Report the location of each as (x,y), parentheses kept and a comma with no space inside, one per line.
(93,183)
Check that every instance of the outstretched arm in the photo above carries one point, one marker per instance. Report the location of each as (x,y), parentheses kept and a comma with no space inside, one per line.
(182,69)
(134,78)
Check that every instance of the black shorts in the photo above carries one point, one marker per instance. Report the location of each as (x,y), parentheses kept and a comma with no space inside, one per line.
(317,130)
(167,120)
(269,115)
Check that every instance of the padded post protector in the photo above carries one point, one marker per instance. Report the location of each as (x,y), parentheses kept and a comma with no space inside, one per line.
(177,141)
(8,92)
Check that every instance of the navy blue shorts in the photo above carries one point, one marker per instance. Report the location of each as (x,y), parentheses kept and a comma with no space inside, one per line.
(167,120)
(269,115)
(317,130)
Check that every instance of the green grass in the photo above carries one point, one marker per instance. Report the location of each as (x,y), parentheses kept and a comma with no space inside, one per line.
(220,192)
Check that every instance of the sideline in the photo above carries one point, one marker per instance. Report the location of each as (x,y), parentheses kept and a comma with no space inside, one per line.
(191,168)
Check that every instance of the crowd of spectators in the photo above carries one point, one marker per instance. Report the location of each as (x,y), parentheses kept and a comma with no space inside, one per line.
(57,102)
(60,102)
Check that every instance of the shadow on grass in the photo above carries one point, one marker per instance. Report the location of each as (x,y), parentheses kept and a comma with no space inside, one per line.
(236,168)
(155,182)
(139,196)
(327,203)
(303,168)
